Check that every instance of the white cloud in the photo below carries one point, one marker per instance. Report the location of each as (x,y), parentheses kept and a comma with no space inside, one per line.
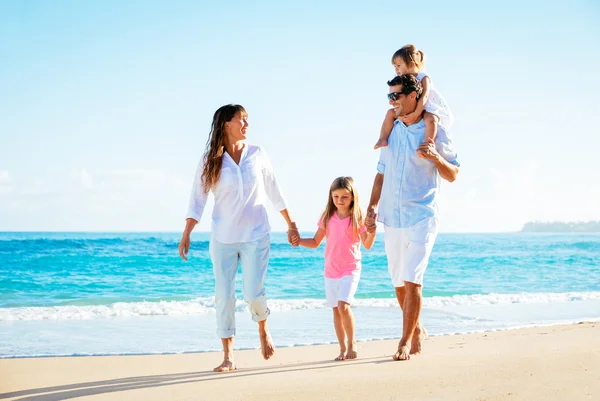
(4,177)
(152,177)
(86,179)
(179,184)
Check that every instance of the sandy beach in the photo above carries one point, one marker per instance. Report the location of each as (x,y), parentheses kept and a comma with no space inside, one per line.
(543,363)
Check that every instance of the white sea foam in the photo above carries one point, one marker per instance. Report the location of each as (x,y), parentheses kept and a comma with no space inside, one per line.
(202,306)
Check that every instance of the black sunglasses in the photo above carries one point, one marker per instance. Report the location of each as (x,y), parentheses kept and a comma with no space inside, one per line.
(395,96)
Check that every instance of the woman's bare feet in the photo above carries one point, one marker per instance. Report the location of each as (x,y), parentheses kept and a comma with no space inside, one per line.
(266,342)
(381,143)
(419,335)
(402,354)
(352,351)
(226,366)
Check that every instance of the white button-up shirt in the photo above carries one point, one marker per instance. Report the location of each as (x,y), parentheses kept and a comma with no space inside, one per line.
(410,183)
(239,214)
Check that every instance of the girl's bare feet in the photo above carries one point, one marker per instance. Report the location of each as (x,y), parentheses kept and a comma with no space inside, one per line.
(341,356)
(226,366)
(352,351)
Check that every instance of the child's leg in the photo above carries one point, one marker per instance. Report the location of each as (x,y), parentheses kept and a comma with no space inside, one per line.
(348,323)
(386,128)
(431,122)
(340,333)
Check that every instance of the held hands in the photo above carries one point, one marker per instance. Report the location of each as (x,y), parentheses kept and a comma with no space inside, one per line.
(371,220)
(427,151)
(411,118)
(293,235)
(184,246)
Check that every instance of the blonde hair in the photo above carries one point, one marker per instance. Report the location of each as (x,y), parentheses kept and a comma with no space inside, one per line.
(411,56)
(356,217)
(215,146)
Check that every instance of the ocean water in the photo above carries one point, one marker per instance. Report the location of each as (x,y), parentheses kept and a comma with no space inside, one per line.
(130,293)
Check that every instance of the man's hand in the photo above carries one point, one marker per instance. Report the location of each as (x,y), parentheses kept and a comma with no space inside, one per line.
(427,151)
(411,118)
(370,220)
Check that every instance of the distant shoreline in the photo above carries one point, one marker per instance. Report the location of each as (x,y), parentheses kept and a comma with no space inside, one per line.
(562,227)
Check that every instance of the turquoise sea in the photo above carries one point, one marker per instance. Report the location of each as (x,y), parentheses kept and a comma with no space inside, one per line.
(130,293)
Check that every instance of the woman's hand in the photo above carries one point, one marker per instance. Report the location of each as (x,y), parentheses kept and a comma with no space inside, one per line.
(184,246)
(293,236)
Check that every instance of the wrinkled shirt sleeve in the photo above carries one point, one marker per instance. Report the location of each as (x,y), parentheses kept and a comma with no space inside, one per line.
(444,146)
(382,160)
(271,186)
(198,196)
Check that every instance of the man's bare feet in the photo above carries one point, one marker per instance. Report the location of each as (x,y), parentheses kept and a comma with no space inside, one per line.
(352,351)
(381,143)
(341,356)
(226,366)
(419,335)
(402,354)
(266,344)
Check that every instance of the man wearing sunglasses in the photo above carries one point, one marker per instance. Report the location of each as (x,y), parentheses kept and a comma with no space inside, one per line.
(404,194)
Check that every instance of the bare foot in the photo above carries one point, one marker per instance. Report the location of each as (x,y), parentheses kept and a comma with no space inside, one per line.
(419,335)
(381,143)
(226,366)
(266,345)
(341,356)
(352,351)
(402,354)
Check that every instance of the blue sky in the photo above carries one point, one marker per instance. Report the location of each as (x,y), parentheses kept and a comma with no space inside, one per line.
(105,106)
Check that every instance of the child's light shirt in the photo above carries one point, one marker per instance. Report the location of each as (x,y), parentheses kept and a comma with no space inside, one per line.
(342,251)
(437,105)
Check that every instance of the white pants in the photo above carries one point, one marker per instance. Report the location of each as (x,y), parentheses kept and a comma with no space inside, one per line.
(254,258)
(408,250)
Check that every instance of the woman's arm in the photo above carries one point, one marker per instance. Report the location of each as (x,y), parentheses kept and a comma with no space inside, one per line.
(198,199)
(315,241)
(292,232)
(184,244)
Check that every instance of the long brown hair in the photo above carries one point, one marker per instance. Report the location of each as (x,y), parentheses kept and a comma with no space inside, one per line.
(215,146)
(411,56)
(356,217)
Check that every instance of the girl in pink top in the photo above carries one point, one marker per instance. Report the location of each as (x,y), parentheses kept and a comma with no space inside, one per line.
(343,225)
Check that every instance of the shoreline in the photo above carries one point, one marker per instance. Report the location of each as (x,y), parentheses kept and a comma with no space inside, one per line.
(360,341)
(558,362)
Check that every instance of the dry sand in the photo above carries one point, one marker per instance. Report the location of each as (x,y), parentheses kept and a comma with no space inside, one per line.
(544,363)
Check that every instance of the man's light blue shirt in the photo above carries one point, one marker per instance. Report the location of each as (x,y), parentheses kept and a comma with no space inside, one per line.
(410,183)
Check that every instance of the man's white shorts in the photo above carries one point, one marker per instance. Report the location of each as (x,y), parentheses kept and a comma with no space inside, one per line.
(341,289)
(408,251)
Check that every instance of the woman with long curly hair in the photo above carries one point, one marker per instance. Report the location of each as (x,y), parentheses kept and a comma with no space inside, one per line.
(241,178)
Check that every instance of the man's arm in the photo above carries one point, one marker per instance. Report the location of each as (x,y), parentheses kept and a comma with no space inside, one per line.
(447,170)
(370,221)
(375,192)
